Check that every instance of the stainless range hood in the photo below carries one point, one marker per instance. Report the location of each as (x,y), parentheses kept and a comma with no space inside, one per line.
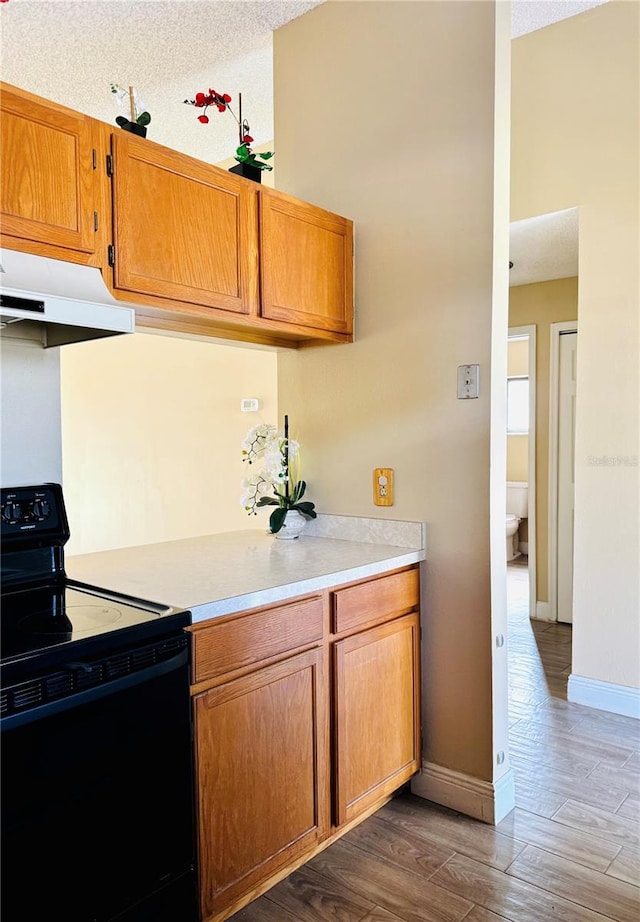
(56,302)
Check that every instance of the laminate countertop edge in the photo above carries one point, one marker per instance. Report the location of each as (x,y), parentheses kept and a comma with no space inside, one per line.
(218,575)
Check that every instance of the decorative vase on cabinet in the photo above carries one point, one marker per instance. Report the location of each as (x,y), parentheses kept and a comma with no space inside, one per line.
(133,127)
(248,170)
(293,524)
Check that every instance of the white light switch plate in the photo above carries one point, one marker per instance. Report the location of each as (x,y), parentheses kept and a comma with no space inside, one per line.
(468,381)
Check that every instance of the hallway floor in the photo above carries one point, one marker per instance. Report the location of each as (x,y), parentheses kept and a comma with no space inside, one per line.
(570,851)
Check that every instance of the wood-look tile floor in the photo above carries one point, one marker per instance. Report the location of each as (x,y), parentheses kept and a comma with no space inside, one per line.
(570,851)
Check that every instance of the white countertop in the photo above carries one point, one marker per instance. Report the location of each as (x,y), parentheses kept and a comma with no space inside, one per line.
(225,573)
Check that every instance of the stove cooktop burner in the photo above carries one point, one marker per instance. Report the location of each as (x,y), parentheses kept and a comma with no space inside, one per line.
(51,616)
(79,619)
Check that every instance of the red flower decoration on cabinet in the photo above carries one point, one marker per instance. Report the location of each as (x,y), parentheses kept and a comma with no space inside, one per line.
(221,101)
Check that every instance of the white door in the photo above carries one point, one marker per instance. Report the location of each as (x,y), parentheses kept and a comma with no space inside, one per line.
(566,464)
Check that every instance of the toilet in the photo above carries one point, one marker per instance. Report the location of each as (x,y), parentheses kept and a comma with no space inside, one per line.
(517,509)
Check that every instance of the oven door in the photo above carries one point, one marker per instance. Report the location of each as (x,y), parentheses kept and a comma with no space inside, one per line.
(97,802)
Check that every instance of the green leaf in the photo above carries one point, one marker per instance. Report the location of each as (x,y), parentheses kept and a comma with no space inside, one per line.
(267,501)
(276,519)
(306,509)
(243,156)
(298,491)
(121,120)
(143,119)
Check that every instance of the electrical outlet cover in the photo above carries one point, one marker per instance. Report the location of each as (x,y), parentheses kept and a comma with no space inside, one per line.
(383,486)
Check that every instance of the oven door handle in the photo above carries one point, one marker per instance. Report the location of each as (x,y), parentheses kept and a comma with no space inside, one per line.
(88,695)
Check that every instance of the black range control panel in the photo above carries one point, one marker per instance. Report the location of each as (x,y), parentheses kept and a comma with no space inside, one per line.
(33,513)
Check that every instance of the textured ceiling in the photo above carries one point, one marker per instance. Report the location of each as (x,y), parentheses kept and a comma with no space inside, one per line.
(530,15)
(544,247)
(72,50)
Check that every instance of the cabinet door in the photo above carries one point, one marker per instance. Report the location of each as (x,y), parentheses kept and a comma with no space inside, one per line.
(307,264)
(47,173)
(183,230)
(261,751)
(376,713)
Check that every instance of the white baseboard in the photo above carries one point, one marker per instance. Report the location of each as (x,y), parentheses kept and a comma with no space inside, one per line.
(504,799)
(605,696)
(543,611)
(483,800)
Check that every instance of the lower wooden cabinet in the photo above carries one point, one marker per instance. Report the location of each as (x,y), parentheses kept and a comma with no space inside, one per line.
(376,709)
(261,764)
(307,717)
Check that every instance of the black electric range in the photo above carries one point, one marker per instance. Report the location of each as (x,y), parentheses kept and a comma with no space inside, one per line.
(47,617)
(97,737)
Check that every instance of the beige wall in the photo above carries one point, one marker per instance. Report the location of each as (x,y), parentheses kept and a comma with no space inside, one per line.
(518,445)
(575,141)
(395,103)
(151,437)
(517,457)
(518,357)
(543,304)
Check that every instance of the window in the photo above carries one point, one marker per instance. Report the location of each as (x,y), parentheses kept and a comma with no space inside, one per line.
(518,406)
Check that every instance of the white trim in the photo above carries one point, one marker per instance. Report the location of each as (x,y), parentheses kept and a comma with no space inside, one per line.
(529,332)
(605,696)
(504,795)
(483,800)
(543,612)
(555,329)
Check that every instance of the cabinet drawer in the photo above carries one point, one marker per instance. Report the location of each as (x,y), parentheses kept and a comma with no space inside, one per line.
(224,647)
(375,600)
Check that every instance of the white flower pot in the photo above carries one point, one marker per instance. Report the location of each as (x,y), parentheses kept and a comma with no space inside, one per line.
(293,524)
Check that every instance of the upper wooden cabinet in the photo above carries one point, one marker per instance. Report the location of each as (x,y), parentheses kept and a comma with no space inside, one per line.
(48,176)
(197,245)
(183,230)
(306,258)
(194,248)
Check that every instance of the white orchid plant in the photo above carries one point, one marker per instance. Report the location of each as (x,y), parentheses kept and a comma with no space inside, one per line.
(276,482)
